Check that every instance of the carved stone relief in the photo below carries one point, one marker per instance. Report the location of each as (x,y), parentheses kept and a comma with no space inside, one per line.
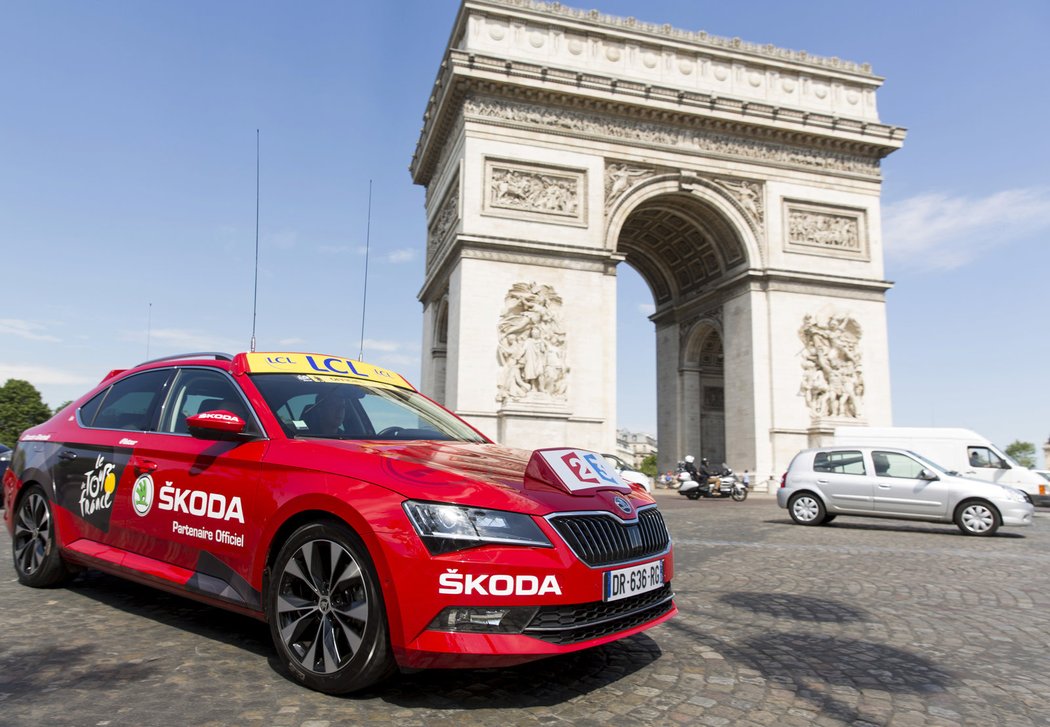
(446,218)
(667,135)
(534,191)
(826,231)
(749,195)
(620,177)
(532,346)
(832,374)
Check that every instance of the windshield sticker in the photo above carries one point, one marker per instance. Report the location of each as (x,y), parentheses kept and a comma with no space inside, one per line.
(340,369)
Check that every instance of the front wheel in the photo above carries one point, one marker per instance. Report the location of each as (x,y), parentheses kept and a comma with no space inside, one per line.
(739,494)
(977,518)
(326,611)
(35,546)
(806,509)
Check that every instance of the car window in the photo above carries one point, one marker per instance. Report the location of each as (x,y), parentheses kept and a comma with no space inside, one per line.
(849,462)
(985,457)
(895,464)
(332,408)
(128,404)
(196,391)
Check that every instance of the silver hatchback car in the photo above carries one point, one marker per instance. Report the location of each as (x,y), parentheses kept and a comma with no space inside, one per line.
(823,483)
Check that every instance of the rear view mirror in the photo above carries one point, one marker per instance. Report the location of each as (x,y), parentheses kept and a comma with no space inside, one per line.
(218,424)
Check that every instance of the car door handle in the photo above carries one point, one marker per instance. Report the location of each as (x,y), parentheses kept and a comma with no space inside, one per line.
(67,455)
(822,482)
(142,465)
(885,487)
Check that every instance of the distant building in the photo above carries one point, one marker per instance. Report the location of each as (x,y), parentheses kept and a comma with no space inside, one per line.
(633,447)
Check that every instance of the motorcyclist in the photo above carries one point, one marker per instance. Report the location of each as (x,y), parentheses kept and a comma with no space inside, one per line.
(706,473)
(688,466)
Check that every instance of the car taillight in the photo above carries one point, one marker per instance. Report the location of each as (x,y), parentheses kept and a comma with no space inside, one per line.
(784,480)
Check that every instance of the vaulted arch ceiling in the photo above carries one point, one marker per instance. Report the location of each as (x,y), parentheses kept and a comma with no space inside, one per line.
(680,245)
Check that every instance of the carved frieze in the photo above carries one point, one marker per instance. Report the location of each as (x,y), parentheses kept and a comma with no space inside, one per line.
(832,372)
(444,221)
(666,135)
(620,178)
(826,230)
(749,197)
(532,346)
(550,194)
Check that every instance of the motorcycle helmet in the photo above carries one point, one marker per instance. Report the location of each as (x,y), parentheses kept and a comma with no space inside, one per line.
(703,461)
(689,458)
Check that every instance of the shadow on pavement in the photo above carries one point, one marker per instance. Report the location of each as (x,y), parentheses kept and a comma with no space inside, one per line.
(799,608)
(28,673)
(177,612)
(895,526)
(812,662)
(540,683)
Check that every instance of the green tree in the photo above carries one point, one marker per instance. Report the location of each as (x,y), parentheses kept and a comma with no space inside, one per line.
(20,408)
(648,466)
(1022,452)
(62,406)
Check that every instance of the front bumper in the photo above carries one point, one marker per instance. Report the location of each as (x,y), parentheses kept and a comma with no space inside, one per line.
(1016,513)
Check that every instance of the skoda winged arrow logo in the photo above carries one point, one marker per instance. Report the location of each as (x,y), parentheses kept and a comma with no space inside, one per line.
(621,503)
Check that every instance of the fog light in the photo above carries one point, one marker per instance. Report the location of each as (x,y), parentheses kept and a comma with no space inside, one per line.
(483,620)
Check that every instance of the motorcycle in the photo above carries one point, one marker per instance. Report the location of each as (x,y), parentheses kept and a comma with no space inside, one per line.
(722,485)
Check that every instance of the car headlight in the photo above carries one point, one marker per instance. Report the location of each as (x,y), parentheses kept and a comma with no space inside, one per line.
(1016,495)
(448,528)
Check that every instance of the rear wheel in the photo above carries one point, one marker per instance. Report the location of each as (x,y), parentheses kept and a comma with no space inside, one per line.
(806,509)
(977,517)
(693,494)
(34,546)
(326,611)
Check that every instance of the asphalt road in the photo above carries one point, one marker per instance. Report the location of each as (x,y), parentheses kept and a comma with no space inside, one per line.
(859,622)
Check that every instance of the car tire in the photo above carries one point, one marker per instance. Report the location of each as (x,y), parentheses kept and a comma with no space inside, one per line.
(977,517)
(34,546)
(806,508)
(827,519)
(326,611)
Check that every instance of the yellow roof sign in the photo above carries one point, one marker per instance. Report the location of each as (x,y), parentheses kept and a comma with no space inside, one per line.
(317,364)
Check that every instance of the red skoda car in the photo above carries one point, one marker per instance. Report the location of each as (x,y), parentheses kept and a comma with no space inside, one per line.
(366,524)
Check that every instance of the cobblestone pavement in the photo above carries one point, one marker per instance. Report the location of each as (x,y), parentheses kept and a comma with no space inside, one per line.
(859,622)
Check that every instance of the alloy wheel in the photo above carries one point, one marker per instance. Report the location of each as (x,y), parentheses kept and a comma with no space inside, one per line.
(32,539)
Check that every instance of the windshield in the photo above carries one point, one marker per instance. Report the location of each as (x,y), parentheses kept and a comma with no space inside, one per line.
(332,407)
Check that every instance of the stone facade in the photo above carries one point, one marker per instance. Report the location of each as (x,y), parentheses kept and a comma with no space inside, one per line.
(741,181)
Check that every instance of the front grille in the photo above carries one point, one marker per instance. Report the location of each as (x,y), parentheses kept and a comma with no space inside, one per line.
(586,621)
(600,540)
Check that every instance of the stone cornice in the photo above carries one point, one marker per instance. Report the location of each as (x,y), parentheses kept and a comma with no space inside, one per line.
(462,74)
(526,252)
(600,22)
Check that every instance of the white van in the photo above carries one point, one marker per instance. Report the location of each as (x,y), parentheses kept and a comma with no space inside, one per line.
(962,450)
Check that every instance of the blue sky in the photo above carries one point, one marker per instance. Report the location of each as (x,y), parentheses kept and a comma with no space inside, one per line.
(127,187)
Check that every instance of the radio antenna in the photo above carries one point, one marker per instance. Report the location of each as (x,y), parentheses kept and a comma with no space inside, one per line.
(149,323)
(364,299)
(255,295)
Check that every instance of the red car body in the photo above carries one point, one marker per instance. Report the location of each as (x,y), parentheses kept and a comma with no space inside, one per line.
(205,513)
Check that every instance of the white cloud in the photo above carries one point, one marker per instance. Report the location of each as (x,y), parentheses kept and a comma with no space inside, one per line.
(646,309)
(335,249)
(282,239)
(385,346)
(940,231)
(290,341)
(175,339)
(24,329)
(43,375)
(403,255)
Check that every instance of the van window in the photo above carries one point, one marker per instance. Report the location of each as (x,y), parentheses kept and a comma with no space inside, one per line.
(842,463)
(985,457)
(895,464)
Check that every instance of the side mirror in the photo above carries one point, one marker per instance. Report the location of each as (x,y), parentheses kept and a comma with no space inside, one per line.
(928,475)
(218,424)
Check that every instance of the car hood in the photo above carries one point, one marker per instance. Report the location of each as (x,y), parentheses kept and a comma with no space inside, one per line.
(477,474)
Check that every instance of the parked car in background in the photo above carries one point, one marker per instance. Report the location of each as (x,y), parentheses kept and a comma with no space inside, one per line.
(370,527)
(629,473)
(821,484)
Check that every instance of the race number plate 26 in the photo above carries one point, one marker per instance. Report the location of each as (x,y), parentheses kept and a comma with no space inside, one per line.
(627,582)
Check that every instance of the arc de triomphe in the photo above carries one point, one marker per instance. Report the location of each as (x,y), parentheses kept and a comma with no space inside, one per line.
(741,181)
